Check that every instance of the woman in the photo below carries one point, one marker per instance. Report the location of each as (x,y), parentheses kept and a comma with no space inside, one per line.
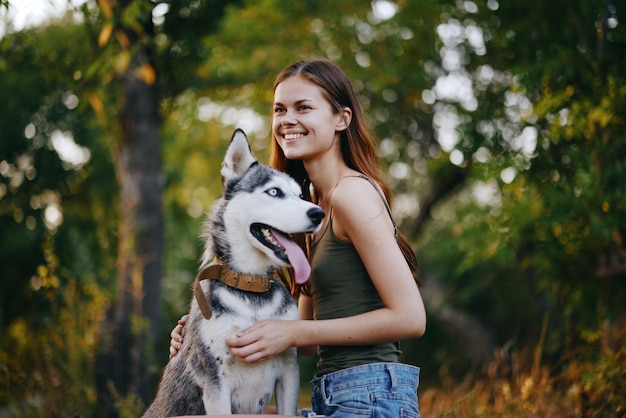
(362,293)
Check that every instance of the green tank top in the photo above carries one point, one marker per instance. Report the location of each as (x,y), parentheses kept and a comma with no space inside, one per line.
(341,287)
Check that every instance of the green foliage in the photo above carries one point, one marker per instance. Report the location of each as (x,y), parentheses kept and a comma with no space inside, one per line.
(47,368)
(550,238)
(602,384)
(128,406)
(571,223)
(40,85)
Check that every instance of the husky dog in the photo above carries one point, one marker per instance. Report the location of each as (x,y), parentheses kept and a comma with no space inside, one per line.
(248,239)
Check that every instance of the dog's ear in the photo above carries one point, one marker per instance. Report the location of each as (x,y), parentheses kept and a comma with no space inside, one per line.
(238,157)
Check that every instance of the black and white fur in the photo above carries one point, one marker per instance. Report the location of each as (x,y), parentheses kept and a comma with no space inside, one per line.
(205,378)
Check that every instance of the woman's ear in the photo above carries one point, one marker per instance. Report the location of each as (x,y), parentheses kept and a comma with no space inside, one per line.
(345,117)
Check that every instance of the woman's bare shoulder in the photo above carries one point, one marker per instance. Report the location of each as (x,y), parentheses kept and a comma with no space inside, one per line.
(357,195)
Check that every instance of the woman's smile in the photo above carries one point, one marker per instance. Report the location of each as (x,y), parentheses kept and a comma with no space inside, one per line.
(290,137)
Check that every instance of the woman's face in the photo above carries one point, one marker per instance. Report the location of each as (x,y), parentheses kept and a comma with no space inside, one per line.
(303,122)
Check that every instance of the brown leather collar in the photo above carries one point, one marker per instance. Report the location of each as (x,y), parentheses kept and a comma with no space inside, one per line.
(246,282)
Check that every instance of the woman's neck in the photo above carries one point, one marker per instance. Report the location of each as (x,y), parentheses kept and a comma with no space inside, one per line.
(325,170)
(325,175)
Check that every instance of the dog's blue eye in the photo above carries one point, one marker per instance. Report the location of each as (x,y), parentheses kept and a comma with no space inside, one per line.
(275,192)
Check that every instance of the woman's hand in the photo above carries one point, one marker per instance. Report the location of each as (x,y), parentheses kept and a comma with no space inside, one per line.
(263,340)
(176,343)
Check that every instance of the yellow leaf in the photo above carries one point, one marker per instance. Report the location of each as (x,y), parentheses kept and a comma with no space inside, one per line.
(42,271)
(147,74)
(122,39)
(121,61)
(96,104)
(105,6)
(105,34)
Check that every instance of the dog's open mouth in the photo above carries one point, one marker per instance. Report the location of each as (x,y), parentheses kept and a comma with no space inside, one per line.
(284,248)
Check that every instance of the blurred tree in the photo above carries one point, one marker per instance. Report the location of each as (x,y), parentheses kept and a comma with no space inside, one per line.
(540,131)
(46,142)
(132,323)
(129,44)
(115,73)
(55,222)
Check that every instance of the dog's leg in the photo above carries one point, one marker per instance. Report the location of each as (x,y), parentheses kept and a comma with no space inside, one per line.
(288,385)
(217,401)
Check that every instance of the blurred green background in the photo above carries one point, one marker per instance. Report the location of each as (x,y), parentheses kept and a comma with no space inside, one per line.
(500,125)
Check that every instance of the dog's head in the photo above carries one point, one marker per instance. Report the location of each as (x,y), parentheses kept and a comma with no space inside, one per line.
(251,227)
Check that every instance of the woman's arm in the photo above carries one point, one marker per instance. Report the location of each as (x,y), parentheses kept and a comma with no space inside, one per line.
(360,217)
(305,311)
(305,308)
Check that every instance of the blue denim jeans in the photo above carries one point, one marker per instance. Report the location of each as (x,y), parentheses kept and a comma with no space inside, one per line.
(372,390)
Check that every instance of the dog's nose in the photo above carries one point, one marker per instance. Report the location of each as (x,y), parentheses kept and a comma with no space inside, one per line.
(316,215)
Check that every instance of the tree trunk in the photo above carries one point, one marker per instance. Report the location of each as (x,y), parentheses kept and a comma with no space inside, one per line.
(133,321)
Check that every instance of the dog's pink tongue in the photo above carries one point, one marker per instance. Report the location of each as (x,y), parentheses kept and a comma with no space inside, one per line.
(296,257)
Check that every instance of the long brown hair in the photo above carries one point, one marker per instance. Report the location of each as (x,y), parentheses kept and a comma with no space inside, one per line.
(357,143)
